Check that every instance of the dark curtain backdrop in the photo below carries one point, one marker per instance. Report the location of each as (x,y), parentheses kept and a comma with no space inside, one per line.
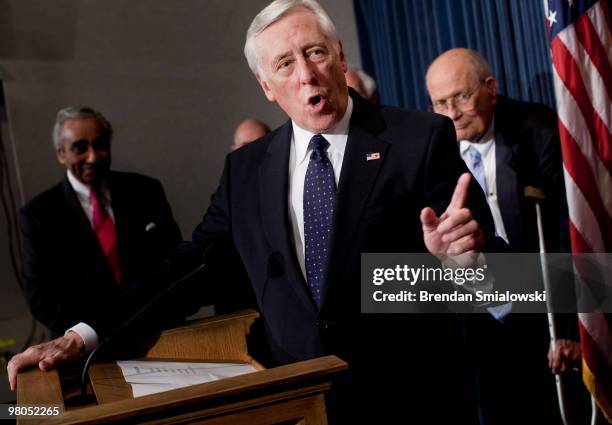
(400,38)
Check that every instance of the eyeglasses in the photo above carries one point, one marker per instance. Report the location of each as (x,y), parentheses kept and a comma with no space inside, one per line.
(457,101)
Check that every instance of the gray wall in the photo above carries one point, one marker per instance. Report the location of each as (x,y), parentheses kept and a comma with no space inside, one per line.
(170,76)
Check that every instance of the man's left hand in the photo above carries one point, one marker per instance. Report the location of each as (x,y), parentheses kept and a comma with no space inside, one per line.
(566,356)
(455,232)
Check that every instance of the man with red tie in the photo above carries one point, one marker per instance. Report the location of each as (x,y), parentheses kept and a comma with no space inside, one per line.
(89,236)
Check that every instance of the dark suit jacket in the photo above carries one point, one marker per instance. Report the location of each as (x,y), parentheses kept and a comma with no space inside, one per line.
(378,207)
(528,153)
(66,272)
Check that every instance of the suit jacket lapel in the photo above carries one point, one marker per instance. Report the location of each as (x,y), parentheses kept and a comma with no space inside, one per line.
(356,181)
(273,193)
(74,206)
(507,189)
(122,216)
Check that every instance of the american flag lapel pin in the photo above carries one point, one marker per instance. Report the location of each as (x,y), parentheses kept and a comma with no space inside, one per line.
(372,156)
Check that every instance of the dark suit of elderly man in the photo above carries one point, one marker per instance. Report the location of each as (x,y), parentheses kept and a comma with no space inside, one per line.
(342,177)
(508,145)
(88,237)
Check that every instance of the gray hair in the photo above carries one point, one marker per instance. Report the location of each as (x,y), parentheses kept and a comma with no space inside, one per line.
(77,112)
(272,13)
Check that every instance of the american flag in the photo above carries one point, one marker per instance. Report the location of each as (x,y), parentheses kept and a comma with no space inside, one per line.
(372,156)
(579,32)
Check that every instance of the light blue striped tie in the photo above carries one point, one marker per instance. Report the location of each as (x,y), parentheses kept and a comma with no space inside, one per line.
(477,167)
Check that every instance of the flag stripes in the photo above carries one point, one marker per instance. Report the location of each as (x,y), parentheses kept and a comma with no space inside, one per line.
(582,75)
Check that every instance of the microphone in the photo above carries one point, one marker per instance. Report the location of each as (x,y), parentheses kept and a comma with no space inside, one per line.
(137,315)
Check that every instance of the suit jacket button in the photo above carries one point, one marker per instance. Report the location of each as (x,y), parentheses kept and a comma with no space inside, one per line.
(322,325)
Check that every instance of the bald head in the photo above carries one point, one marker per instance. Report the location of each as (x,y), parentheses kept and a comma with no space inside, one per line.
(461,86)
(467,60)
(353,80)
(248,131)
(362,83)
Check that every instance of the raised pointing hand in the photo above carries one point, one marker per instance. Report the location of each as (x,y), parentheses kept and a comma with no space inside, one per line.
(455,232)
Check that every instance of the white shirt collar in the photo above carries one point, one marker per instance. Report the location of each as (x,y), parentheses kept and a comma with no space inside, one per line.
(82,190)
(337,135)
(483,144)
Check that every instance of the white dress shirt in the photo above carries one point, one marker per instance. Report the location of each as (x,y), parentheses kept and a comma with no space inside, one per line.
(82,193)
(486,146)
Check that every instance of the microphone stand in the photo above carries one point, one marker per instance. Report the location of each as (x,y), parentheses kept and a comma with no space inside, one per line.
(127,322)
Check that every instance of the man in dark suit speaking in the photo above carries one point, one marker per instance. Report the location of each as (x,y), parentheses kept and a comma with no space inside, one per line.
(342,177)
(89,236)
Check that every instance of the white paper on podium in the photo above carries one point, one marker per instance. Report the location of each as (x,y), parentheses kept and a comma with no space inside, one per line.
(150,377)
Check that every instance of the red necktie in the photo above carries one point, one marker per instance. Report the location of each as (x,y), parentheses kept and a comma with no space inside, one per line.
(105,231)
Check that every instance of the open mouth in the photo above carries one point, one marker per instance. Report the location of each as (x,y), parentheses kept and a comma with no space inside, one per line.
(314,100)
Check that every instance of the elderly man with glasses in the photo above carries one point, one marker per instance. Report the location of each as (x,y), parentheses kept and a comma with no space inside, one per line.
(508,145)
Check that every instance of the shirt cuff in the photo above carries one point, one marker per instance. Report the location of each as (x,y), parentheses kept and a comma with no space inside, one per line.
(500,312)
(87,334)
(471,286)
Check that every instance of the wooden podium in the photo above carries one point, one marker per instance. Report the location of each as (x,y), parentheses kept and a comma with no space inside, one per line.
(291,394)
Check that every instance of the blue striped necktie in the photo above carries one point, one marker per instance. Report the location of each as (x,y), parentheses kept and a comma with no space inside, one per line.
(477,167)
